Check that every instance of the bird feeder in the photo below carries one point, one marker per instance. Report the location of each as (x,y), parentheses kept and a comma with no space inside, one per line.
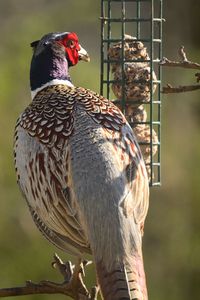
(131,50)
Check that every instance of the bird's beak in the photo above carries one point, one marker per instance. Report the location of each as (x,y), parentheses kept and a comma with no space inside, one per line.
(83,55)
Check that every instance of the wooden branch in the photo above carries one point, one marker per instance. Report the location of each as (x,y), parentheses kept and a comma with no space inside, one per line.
(45,287)
(34,288)
(182,54)
(181,89)
(73,285)
(197,76)
(165,62)
(183,63)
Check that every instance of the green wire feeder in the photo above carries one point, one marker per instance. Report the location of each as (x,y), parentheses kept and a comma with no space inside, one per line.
(130,70)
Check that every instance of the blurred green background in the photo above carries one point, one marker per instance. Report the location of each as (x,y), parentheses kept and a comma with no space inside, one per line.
(172,232)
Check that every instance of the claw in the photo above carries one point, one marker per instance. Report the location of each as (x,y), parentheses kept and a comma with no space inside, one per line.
(94,292)
(73,280)
(72,286)
(66,269)
(84,264)
(72,276)
(76,282)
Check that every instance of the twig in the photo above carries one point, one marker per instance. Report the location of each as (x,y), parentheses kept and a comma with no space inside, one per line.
(34,288)
(182,54)
(183,63)
(181,89)
(72,286)
(197,76)
(165,62)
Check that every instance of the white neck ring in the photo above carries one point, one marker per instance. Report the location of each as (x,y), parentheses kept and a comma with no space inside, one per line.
(52,82)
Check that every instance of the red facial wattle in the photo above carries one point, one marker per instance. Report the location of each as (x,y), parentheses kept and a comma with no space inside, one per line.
(72,56)
(71,44)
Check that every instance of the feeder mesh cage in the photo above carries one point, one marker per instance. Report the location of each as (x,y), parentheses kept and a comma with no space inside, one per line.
(131,50)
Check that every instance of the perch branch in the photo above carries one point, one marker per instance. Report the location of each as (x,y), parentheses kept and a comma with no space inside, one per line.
(165,62)
(34,288)
(197,76)
(181,89)
(72,286)
(183,63)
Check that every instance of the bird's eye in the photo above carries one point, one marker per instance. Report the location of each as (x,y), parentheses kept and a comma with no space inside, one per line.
(70,44)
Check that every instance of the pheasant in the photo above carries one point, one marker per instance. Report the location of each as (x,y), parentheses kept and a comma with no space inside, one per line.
(81,171)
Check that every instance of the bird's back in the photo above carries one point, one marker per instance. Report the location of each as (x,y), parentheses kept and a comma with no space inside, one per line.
(82,174)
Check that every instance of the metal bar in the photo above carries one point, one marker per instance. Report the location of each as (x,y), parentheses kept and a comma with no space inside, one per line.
(102,49)
(147,123)
(151,90)
(133,81)
(118,101)
(149,143)
(130,60)
(108,46)
(113,40)
(138,18)
(154,164)
(127,20)
(159,87)
(131,19)
(123,104)
(156,184)
(158,19)
(156,102)
(126,0)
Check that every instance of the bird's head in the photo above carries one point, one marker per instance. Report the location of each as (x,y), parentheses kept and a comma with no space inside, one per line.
(62,43)
(53,54)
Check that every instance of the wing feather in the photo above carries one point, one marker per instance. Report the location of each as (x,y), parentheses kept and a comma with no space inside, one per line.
(136,199)
(55,207)
(42,161)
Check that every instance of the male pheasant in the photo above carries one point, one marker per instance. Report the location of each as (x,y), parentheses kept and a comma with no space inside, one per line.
(81,171)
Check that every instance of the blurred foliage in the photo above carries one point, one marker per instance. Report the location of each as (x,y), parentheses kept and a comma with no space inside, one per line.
(172,240)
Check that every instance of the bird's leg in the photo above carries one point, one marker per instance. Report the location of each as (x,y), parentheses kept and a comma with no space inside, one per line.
(94,292)
(76,282)
(73,275)
(66,269)
(73,281)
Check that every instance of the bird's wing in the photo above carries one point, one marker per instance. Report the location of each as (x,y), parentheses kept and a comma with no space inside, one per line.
(42,153)
(137,199)
(116,202)
(41,160)
(43,169)
(126,147)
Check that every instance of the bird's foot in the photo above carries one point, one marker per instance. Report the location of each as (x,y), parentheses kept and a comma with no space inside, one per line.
(73,281)
(72,286)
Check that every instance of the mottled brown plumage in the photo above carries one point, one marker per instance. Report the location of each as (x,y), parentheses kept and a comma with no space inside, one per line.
(82,174)
(51,119)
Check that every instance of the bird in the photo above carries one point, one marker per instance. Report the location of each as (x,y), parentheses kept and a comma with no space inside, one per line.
(81,171)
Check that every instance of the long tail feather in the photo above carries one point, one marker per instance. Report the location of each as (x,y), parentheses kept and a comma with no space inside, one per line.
(123,282)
